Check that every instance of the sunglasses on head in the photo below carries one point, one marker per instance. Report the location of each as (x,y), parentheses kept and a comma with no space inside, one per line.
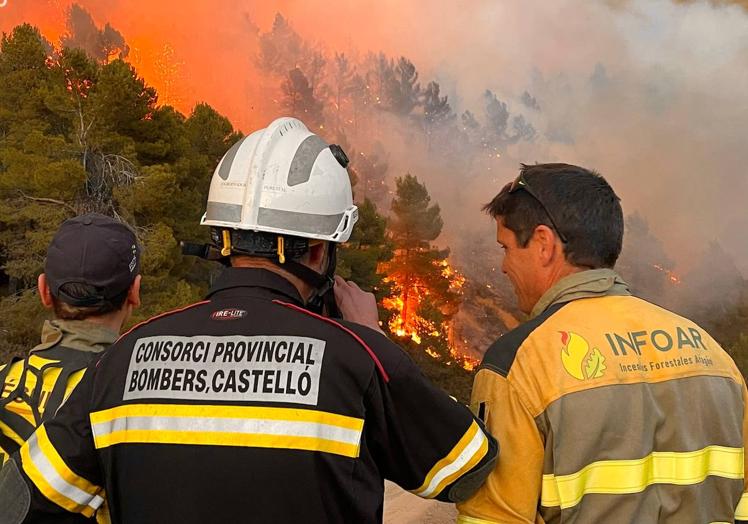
(521,183)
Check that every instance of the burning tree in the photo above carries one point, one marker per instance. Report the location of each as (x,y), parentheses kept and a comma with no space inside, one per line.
(426,288)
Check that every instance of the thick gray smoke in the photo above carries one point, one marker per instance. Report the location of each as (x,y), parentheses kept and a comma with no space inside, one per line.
(651,93)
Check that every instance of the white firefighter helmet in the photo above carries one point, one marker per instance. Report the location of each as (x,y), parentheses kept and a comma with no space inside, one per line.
(286,180)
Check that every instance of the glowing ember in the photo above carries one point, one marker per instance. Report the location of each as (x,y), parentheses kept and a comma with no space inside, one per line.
(672,277)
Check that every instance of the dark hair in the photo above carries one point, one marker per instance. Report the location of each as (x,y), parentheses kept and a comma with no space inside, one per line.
(584,207)
(76,290)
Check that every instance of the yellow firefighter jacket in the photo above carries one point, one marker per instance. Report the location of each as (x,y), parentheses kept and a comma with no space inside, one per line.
(66,349)
(610,409)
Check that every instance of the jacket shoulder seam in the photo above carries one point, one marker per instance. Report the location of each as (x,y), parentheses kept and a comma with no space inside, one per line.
(160,315)
(502,353)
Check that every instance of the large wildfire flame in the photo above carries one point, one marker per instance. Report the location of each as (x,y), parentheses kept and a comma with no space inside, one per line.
(406,323)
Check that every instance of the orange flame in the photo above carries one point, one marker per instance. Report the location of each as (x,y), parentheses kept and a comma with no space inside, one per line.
(417,328)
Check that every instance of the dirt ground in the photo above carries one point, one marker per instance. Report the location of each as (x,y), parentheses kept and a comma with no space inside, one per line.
(402,507)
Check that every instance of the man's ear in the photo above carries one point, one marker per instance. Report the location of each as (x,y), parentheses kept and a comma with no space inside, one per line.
(133,294)
(547,243)
(45,294)
(317,254)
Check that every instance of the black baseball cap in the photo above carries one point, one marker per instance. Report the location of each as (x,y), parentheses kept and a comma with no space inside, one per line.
(96,250)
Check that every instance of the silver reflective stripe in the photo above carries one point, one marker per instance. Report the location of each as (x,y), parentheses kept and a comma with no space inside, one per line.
(231,425)
(225,168)
(471,449)
(58,483)
(303,160)
(301,222)
(223,212)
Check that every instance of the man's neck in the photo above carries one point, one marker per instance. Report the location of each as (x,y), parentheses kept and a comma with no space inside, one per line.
(560,272)
(112,321)
(260,263)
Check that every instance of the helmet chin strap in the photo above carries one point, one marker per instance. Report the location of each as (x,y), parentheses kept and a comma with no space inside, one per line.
(322,299)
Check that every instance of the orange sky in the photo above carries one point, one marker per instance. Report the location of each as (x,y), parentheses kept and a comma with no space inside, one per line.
(210,46)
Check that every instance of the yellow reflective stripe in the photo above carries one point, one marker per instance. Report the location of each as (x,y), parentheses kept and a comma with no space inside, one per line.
(741,513)
(468,451)
(46,488)
(633,476)
(470,464)
(227,439)
(464,519)
(62,469)
(181,410)
(245,426)
(45,468)
(451,456)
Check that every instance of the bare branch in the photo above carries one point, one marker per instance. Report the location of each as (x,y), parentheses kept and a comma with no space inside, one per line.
(49,201)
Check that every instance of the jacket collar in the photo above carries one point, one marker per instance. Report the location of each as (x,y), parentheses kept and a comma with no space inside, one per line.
(76,334)
(254,282)
(585,284)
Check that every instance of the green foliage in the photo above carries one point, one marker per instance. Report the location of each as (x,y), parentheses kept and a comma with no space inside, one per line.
(21,317)
(367,248)
(77,135)
(416,222)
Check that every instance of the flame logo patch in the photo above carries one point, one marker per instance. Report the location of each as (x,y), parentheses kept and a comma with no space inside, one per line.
(578,359)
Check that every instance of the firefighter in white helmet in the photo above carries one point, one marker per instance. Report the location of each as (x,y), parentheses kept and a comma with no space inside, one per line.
(276,193)
(251,406)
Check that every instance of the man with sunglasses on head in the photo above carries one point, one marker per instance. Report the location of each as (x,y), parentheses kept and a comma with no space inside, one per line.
(608,408)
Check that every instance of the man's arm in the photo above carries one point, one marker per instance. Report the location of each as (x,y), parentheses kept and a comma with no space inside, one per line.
(420,437)
(512,491)
(741,512)
(55,476)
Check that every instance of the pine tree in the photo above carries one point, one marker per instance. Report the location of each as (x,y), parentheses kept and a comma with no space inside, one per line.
(362,256)
(103,45)
(497,114)
(281,49)
(418,268)
(437,112)
(80,136)
(343,75)
(380,73)
(403,90)
(300,101)
(371,170)
(498,131)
